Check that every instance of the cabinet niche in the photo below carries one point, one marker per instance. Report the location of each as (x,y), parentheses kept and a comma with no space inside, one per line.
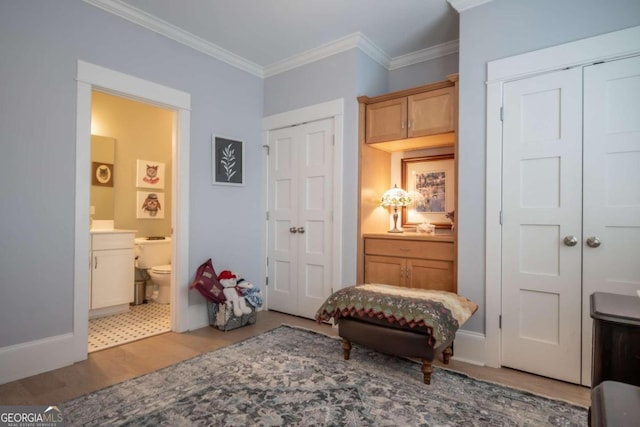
(421,118)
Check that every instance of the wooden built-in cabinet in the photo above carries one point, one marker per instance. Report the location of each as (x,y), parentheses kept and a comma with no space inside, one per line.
(425,111)
(420,118)
(410,260)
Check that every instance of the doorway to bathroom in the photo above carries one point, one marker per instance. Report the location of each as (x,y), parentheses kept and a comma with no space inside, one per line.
(89,77)
(131,191)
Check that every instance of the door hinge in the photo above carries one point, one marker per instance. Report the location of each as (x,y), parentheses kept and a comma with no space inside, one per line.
(267,261)
(267,215)
(333,139)
(266,281)
(266,147)
(500,217)
(501,114)
(500,321)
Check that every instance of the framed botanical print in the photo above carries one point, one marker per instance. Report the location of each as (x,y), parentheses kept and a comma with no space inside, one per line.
(227,161)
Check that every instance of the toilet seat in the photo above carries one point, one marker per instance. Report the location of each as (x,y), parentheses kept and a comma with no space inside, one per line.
(161,269)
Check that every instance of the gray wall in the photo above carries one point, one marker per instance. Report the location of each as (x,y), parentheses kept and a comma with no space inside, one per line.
(499,29)
(41,42)
(423,72)
(345,75)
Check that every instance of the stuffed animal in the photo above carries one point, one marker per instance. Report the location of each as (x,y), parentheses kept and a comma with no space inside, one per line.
(238,303)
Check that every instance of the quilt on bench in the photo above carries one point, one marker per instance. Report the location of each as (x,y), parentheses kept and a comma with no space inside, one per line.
(439,313)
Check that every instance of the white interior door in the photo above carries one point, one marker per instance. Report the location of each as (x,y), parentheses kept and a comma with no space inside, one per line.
(542,201)
(612,185)
(300,217)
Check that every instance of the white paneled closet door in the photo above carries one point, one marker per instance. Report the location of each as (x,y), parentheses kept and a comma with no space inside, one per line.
(611,244)
(542,203)
(571,210)
(300,223)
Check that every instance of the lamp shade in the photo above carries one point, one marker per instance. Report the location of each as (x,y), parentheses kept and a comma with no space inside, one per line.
(395,197)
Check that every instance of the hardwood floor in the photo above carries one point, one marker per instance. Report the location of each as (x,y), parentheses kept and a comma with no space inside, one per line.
(114,365)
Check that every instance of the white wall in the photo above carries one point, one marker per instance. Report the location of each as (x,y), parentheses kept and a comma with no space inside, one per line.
(41,43)
(499,29)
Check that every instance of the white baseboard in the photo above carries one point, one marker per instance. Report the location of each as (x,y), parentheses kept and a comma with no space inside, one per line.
(35,357)
(469,347)
(198,317)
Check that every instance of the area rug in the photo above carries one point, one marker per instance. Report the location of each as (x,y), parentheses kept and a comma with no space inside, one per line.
(295,377)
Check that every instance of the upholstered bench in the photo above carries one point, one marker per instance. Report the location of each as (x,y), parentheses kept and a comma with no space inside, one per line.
(404,322)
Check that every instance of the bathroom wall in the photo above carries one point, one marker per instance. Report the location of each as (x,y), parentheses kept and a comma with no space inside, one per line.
(102,151)
(141,131)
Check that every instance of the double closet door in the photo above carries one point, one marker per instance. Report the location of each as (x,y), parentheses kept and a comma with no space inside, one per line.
(570,210)
(300,217)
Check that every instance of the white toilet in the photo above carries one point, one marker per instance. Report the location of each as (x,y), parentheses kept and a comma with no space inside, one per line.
(154,255)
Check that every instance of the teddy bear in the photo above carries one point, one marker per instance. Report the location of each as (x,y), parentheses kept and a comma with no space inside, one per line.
(230,282)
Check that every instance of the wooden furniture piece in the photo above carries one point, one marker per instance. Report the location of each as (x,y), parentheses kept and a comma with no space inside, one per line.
(412,260)
(396,341)
(614,404)
(422,118)
(418,323)
(412,113)
(616,338)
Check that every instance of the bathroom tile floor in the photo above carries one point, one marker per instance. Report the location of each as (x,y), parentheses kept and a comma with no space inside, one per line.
(141,321)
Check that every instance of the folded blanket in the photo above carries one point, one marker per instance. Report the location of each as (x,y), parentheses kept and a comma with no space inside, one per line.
(440,312)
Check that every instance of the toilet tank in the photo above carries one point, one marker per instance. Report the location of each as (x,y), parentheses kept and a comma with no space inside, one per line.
(152,252)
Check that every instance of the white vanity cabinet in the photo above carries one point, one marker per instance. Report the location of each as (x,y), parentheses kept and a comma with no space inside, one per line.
(112,271)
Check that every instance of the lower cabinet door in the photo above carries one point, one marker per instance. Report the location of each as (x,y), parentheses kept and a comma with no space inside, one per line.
(383,269)
(432,274)
(112,277)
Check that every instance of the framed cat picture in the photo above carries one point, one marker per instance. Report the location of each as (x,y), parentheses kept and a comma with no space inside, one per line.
(102,174)
(150,174)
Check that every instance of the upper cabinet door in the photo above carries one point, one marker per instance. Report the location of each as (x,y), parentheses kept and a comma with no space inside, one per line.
(431,112)
(386,120)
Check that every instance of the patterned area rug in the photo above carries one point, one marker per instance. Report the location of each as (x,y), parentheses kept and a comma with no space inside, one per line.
(295,377)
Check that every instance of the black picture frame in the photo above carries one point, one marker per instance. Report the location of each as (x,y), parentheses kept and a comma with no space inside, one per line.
(227,161)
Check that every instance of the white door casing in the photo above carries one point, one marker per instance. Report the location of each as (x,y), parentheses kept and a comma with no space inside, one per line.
(610,46)
(300,206)
(612,185)
(542,198)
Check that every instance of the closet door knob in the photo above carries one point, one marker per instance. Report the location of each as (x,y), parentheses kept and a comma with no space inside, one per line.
(593,242)
(301,230)
(570,240)
(293,230)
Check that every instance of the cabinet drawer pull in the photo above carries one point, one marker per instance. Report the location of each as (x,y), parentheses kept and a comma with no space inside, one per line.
(95,262)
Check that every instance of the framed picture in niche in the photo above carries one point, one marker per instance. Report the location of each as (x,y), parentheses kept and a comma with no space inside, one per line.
(430,181)
(227,162)
(102,174)
(150,174)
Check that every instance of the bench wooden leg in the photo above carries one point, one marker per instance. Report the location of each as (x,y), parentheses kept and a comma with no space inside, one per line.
(346,348)
(446,354)
(427,369)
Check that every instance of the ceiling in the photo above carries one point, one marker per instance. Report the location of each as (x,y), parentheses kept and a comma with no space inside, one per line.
(269,31)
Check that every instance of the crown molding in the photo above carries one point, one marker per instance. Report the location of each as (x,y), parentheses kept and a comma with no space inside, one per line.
(461,5)
(179,35)
(351,41)
(423,55)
